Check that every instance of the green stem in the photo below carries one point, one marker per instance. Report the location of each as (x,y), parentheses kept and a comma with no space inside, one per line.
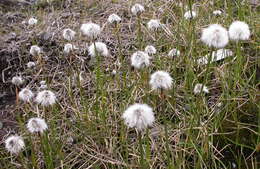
(142,161)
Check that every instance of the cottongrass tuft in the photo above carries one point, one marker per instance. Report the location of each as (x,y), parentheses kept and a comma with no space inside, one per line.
(239,31)
(90,30)
(150,50)
(139,116)
(31,64)
(200,87)
(17,80)
(26,95)
(98,47)
(215,36)
(36,125)
(173,53)
(140,59)
(68,48)
(154,24)
(217,12)
(68,34)
(46,98)
(190,14)
(114,18)
(35,50)
(160,80)
(32,21)
(14,144)
(137,9)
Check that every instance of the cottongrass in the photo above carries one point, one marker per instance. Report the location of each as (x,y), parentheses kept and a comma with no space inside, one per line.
(68,34)
(160,80)
(154,25)
(26,95)
(35,50)
(139,116)
(239,31)
(174,52)
(17,80)
(91,30)
(137,9)
(215,36)
(190,15)
(114,18)
(98,47)
(31,65)
(140,60)
(68,47)
(217,12)
(150,50)
(200,88)
(14,144)
(46,98)
(36,125)
(32,21)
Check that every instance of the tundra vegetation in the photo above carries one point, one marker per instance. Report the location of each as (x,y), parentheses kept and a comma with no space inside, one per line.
(130,84)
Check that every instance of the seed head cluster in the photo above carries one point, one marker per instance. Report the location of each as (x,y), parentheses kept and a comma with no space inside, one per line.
(14,144)
(139,116)
(140,59)
(36,125)
(160,80)
(215,36)
(46,98)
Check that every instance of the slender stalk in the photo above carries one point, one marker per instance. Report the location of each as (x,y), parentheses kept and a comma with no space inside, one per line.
(117,30)
(140,141)
(33,154)
(46,150)
(139,33)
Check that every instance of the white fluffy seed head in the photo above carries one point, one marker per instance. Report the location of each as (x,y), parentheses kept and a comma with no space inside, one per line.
(90,30)
(31,64)
(215,36)
(114,18)
(32,21)
(137,9)
(140,59)
(239,31)
(43,82)
(46,98)
(200,87)
(174,52)
(139,116)
(68,34)
(35,50)
(36,125)
(14,144)
(217,12)
(190,14)
(154,25)
(150,50)
(17,80)
(98,47)
(68,48)
(26,95)
(160,80)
